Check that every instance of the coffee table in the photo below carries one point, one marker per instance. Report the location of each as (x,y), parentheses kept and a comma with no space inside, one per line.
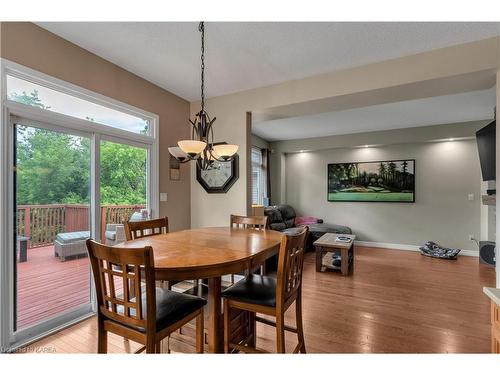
(328,243)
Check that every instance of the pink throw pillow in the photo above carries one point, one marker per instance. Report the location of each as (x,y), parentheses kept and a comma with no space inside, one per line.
(305,220)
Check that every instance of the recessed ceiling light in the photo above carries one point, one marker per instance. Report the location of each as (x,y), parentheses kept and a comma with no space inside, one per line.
(450,140)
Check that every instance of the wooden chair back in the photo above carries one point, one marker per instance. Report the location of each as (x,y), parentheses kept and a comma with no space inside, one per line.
(146,228)
(290,266)
(251,222)
(117,276)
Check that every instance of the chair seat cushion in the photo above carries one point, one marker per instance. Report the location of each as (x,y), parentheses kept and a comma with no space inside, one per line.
(260,290)
(170,307)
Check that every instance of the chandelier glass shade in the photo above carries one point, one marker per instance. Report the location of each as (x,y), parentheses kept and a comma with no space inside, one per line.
(201,146)
(192,148)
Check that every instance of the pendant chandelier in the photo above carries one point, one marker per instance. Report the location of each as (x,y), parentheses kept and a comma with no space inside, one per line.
(201,147)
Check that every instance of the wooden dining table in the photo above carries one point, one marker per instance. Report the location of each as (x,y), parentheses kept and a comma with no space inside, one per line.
(209,253)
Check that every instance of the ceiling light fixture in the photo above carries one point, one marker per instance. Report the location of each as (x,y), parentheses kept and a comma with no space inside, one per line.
(201,146)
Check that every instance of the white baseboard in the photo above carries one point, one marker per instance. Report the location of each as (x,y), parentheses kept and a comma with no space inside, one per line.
(395,246)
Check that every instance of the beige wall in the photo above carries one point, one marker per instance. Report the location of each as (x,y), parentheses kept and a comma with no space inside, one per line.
(446,172)
(36,48)
(387,137)
(422,74)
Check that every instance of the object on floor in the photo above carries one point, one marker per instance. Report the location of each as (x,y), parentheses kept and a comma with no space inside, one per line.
(432,249)
(487,253)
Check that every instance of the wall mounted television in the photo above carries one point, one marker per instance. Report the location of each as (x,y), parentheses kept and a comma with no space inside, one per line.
(486,145)
(376,181)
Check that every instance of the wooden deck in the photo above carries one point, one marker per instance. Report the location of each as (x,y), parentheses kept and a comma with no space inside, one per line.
(47,286)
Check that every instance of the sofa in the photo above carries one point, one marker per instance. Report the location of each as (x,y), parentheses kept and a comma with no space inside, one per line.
(283,218)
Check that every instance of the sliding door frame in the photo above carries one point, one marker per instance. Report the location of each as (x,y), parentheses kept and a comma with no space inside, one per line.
(10,340)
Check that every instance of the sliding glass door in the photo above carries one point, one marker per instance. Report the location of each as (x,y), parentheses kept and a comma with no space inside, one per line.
(123,187)
(52,221)
(77,166)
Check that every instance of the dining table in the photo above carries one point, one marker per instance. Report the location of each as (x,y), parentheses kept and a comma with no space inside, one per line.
(210,253)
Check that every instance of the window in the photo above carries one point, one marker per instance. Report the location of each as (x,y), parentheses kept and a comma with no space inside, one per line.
(258,177)
(25,92)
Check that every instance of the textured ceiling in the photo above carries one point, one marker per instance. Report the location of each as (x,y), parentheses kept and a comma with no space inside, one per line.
(242,56)
(470,106)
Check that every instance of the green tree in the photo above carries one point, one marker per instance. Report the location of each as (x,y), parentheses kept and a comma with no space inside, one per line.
(54,168)
(123,174)
(30,99)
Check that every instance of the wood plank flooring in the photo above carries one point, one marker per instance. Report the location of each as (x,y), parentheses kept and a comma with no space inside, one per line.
(396,302)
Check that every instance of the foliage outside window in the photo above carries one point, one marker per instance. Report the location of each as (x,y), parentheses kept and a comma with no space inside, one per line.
(25,92)
(54,168)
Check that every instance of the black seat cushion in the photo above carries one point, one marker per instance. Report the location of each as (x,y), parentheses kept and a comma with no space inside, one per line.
(170,307)
(260,290)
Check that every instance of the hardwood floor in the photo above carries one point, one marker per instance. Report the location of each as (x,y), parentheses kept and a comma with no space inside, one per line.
(396,302)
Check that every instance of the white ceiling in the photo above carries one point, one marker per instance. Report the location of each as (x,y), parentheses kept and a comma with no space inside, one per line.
(241,56)
(470,106)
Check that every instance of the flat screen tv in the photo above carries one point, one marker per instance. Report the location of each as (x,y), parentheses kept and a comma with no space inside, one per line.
(486,139)
(380,181)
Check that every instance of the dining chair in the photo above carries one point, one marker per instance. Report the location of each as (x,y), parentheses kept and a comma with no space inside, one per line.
(249,222)
(130,317)
(145,228)
(270,296)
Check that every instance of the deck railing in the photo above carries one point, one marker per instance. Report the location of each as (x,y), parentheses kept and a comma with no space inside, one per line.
(42,223)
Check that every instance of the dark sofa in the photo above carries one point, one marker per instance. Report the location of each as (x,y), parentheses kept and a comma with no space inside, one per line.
(282,218)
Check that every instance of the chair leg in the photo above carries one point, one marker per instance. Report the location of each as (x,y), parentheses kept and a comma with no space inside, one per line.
(158,347)
(300,326)
(150,344)
(102,337)
(226,326)
(200,332)
(253,329)
(263,270)
(280,333)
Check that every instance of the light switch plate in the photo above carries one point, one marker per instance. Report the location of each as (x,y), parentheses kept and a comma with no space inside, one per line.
(470,196)
(163,197)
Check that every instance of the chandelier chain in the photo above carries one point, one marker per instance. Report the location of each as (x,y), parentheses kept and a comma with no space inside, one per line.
(202,30)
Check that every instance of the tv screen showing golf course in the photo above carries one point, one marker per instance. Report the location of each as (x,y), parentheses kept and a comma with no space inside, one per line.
(381,181)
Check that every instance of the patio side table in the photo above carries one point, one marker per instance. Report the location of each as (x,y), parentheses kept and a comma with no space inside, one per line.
(23,248)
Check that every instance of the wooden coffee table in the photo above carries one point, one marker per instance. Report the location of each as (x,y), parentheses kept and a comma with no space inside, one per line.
(327,243)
